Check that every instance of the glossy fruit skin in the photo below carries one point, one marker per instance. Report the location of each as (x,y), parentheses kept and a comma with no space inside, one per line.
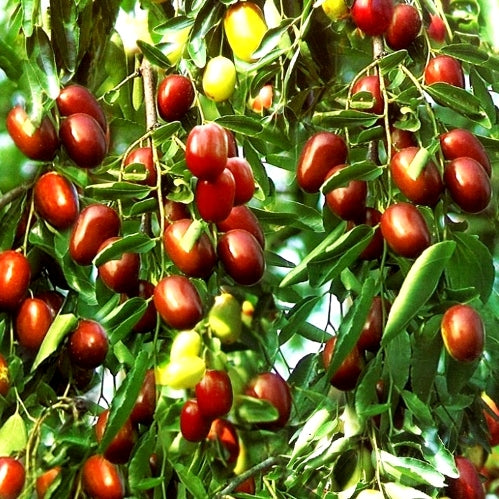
(185,344)
(145,405)
(181,373)
(224,432)
(199,261)
(4,376)
(320,153)
(12,478)
(53,299)
(273,388)
(244,179)
(404,27)
(245,27)
(88,344)
(241,217)
(463,333)
(144,156)
(83,139)
(263,99)
(436,30)
(231,144)
(119,449)
(56,200)
(215,198)
(426,189)
(241,256)
(374,249)
(335,9)
(468,485)
(42,145)
(459,142)
(101,479)
(372,331)
(373,17)
(175,97)
(405,230)
(401,139)
(206,151)
(148,321)
(219,78)
(193,425)
(174,211)
(214,394)
(247,487)
(346,376)
(33,320)
(95,224)
(349,202)
(224,318)
(78,99)
(178,302)
(444,69)
(468,184)
(45,480)
(15,276)
(122,274)
(371,85)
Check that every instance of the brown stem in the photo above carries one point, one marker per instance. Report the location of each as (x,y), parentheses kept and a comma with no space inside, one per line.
(149,94)
(378,49)
(14,193)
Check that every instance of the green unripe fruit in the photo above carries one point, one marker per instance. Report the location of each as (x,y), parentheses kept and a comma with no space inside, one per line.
(224,318)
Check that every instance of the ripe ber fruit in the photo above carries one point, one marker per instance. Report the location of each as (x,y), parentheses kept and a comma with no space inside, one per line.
(219,78)
(101,478)
(88,344)
(214,394)
(346,376)
(444,69)
(15,276)
(373,17)
(33,320)
(193,425)
(12,477)
(175,97)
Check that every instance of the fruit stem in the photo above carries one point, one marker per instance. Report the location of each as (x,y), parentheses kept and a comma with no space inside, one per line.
(149,92)
(14,193)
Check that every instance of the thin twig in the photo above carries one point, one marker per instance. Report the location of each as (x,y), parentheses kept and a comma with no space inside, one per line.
(14,193)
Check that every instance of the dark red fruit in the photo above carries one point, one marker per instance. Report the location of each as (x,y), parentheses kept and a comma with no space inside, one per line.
(241,217)
(349,202)
(444,69)
(402,138)
(40,143)
(468,485)
(178,302)
(4,376)
(78,99)
(371,334)
(468,184)
(459,142)
(121,274)
(95,224)
(15,276)
(88,344)
(463,333)
(33,320)
(193,425)
(405,230)
(346,376)
(53,299)
(12,477)
(243,176)
(374,249)
(101,479)
(56,200)
(373,17)
(175,210)
(426,189)
(436,29)
(149,319)
(247,487)
(225,433)
(200,260)
(320,153)
(206,151)
(404,27)
(175,97)
(119,449)
(231,144)
(271,387)
(215,198)
(144,156)
(371,85)
(145,405)
(45,480)
(241,256)
(83,139)
(214,394)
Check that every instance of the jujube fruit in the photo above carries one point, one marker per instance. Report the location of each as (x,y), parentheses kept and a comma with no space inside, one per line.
(444,69)
(404,26)
(180,373)
(224,318)
(372,331)
(219,78)
(372,16)
(335,9)
(15,276)
(372,218)
(101,478)
(244,179)
(12,477)
(215,198)
(463,333)
(145,404)
(214,394)
(185,344)
(225,433)
(144,156)
(45,480)
(436,29)
(88,344)
(193,426)
(175,97)
(33,320)
(241,217)
(56,200)
(4,376)
(148,320)
(371,85)
(468,485)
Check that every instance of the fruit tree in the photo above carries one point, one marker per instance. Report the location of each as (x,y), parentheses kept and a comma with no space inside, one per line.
(249,248)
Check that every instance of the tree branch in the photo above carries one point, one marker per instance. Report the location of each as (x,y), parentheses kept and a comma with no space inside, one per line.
(14,193)
(149,94)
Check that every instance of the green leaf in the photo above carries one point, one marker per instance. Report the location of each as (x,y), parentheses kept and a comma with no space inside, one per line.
(192,482)
(398,359)
(153,54)
(164,132)
(297,316)
(437,454)
(292,213)
(13,435)
(364,170)
(139,467)
(272,38)
(418,286)
(124,398)
(457,99)
(420,410)
(117,191)
(60,327)
(121,320)
(466,52)
(396,491)
(344,118)
(241,124)
(392,60)
(254,410)
(9,61)
(133,243)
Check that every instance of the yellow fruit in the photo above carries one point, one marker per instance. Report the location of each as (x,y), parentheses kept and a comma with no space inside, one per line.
(247,311)
(182,373)
(245,28)
(224,318)
(219,78)
(185,344)
(335,9)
